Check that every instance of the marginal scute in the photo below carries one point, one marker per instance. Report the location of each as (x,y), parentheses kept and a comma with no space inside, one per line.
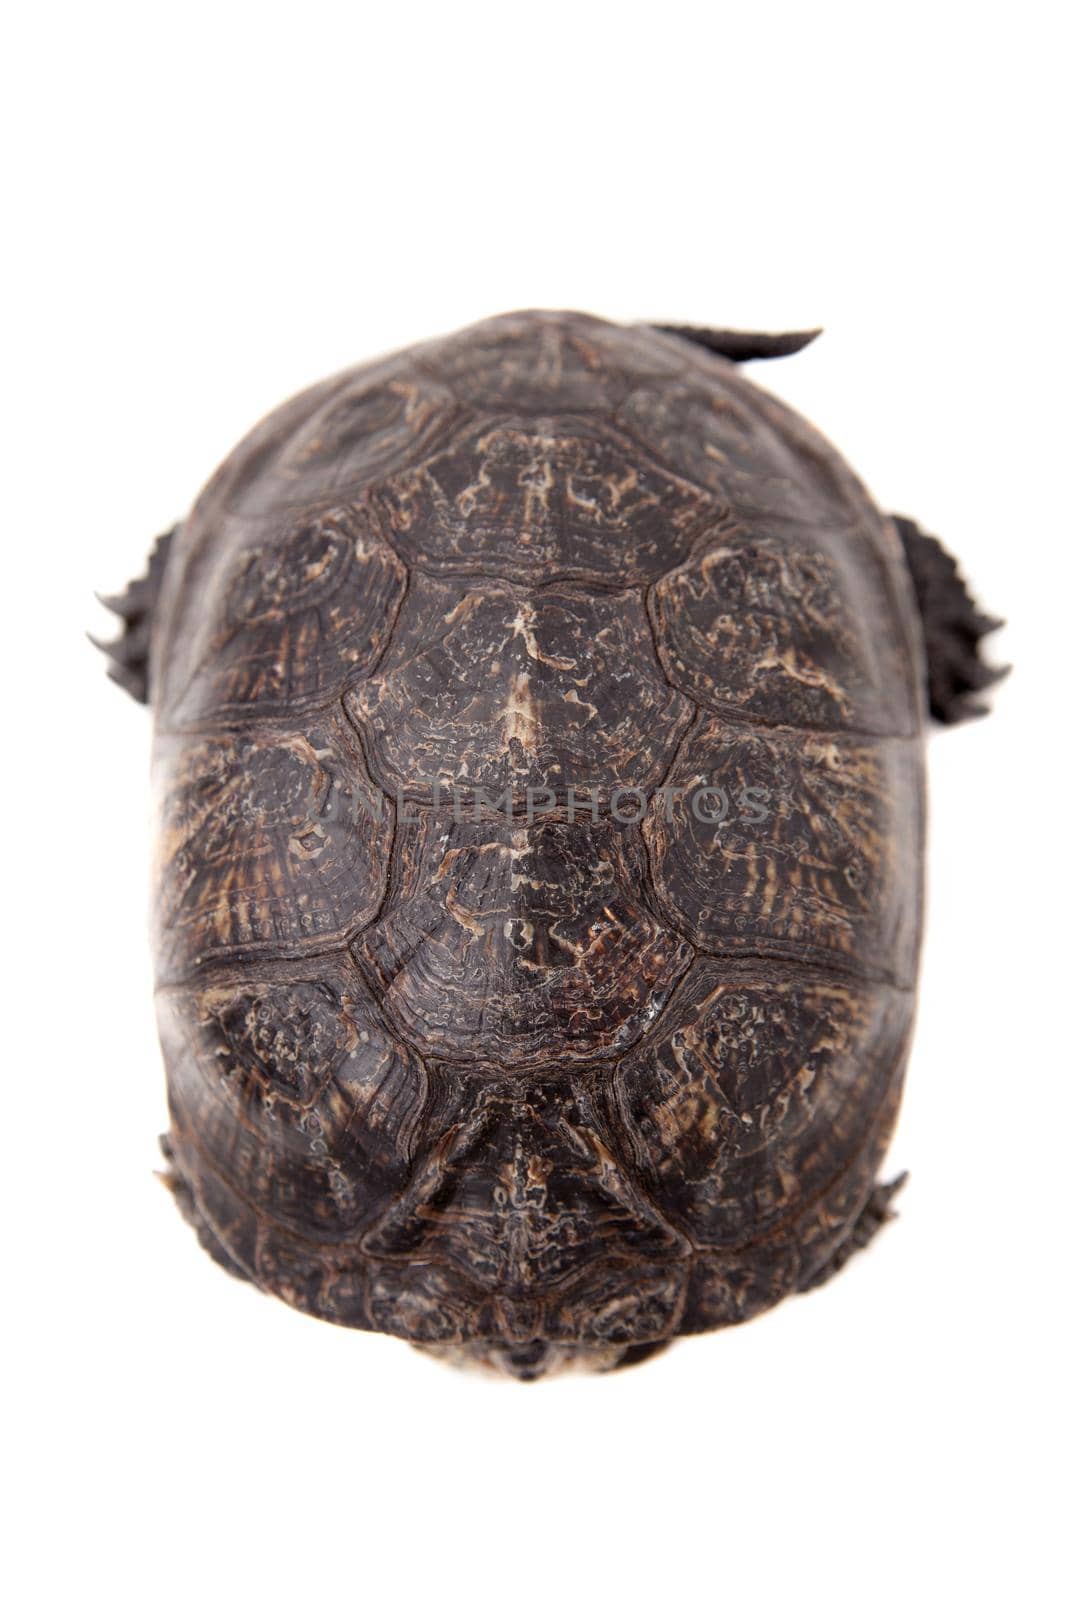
(533,359)
(504,688)
(248,468)
(794,843)
(717,429)
(727,1289)
(269,843)
(428,1305)
(619,1303)
(519,945)
(306,608)
(366,427)
(538,500)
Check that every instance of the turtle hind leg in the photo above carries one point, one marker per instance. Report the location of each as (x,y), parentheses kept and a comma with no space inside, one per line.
(953,628)
(135,607)
(874,1216)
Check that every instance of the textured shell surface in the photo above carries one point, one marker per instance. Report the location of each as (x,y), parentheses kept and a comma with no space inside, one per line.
(539,775)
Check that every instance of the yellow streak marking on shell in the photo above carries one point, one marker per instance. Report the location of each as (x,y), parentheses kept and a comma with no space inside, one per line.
(786,661)
(537,481)
(521,627)
(520,716)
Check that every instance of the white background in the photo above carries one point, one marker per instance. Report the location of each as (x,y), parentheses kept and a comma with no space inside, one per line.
(208,207)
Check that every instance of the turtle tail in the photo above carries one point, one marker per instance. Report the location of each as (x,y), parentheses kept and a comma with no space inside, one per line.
(738,346)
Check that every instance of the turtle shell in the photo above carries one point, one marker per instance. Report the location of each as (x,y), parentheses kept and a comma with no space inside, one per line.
(540,792)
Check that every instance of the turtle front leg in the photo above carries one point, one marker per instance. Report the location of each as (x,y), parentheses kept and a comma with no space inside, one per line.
(953,628)
(874,1216)
(136,607)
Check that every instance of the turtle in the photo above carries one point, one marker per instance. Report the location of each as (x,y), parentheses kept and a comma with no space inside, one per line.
(538,759)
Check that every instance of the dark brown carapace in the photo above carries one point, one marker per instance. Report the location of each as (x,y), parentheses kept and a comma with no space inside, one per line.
(538,755)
